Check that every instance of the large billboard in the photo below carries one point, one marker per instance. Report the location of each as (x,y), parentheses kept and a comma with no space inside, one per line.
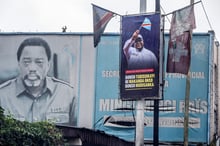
(140,43)
(94,76)
(38,77)
(117,117)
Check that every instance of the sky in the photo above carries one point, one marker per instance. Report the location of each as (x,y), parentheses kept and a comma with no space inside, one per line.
(52,15)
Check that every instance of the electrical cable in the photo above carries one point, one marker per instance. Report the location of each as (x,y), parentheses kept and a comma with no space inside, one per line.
(203,7)
(165,13)
(206,15)
(210,25)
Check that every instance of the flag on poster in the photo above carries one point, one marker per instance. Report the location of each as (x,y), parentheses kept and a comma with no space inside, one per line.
(101,17)
(146,24)
(179,49)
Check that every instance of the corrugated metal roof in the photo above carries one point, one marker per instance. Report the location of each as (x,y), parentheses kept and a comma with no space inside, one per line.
(93,137)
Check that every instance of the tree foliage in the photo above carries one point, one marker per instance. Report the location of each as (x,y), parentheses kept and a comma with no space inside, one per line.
(14,132)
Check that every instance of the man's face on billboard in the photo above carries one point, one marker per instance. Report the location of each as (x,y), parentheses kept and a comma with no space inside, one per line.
(139,44)
(34,65)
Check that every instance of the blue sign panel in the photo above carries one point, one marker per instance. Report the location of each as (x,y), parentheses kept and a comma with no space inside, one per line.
(117,117)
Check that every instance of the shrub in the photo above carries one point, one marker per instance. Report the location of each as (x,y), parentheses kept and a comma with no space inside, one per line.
(14,132)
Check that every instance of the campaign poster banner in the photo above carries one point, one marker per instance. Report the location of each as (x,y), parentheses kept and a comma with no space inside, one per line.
(139,58)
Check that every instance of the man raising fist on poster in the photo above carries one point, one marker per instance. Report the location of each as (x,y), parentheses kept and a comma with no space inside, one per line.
(138,57)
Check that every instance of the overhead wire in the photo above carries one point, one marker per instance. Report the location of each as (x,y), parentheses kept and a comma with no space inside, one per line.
(206,15)
(210,25)
(165,13)
(203,7)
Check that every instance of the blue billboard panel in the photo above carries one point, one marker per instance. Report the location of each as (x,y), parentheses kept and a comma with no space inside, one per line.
(140,40)
(117,117)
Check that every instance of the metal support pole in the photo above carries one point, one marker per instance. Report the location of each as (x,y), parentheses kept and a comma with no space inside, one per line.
(140,103)
(186,114)
(218,89)
(140,123)
(157,5)
(143,5)
(187,94)
(156,122)
(156,102)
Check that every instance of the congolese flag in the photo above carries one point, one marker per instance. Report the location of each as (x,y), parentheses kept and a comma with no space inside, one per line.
(146,24)
(101,17)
